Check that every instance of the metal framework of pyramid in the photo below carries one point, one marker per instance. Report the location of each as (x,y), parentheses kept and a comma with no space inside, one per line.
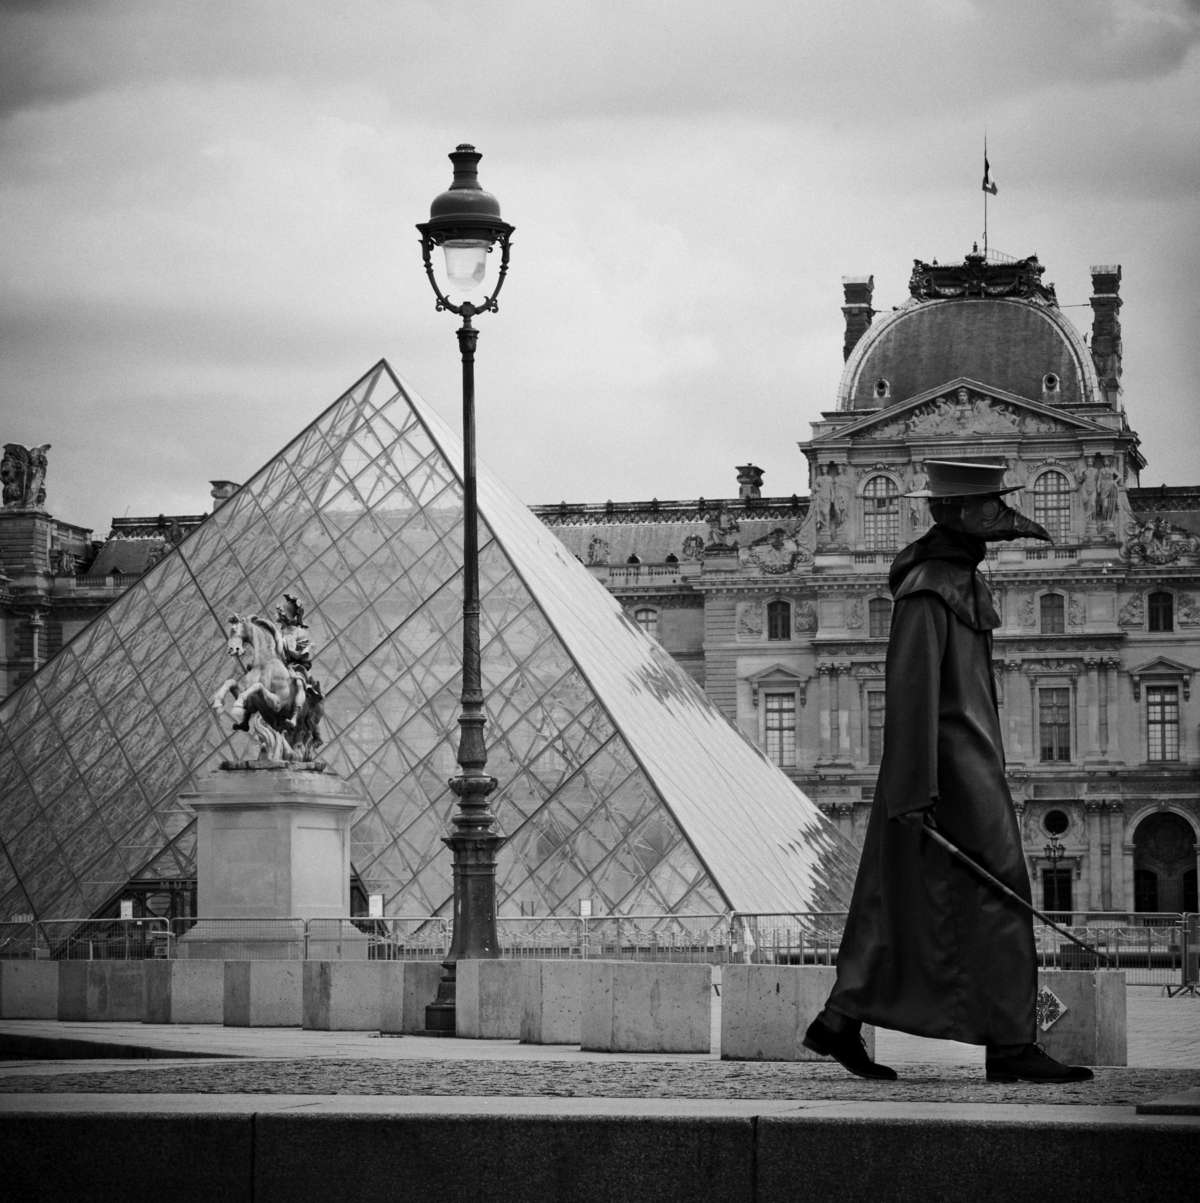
(619,780)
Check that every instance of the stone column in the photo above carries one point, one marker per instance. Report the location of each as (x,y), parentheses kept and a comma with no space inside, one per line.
(843,690)
(1092,747)
(823,672)
(1121,866)
(1112,709)
(1094,878)
(1012,711)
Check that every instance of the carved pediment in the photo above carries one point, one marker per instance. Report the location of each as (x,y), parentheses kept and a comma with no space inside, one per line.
(963,408)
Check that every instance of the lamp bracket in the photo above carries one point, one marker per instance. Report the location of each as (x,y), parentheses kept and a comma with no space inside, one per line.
(467,309)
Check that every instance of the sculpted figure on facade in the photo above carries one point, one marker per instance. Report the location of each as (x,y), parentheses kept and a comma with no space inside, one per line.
(805,617)
(597,552)
(275,697)
(693,548)
(1026,613)
(918,511)
(1076,611)
(1133,612)
(854,615)
(750,619)
(839,520)
(822,499)
(1014,478)
(964,414)
(1107,489)
(23,475)
(723,528)
(1089,488)
(1187,613)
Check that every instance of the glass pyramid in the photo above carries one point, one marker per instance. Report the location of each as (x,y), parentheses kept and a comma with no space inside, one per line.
(619,780)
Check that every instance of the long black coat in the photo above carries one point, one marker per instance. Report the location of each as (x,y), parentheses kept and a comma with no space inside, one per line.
(929,948)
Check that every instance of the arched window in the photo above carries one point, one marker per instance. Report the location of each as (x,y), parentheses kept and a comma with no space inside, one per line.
(879,617)
(1052,504)
(779,620)
(1053,613)
(1161,611)
(881,513)
(647,619)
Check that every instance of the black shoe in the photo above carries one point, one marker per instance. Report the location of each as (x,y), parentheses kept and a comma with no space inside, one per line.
(1034,1064)
(848,1049)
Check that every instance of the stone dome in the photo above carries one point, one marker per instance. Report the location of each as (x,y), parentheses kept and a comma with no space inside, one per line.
(1024,347)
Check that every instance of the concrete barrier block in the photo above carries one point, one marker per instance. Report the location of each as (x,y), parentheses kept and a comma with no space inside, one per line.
(1091,1031)
(488,1003)
(408,988)
(630,1007)
(551,1011)
(29,989)
(184,992)
(263,994)
(101,991)
(765,1010)
(343,996)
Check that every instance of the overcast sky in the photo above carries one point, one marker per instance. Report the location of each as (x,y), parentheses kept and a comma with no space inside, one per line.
(208,209)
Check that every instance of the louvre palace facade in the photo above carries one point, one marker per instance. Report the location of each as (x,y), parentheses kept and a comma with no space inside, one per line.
(779,605)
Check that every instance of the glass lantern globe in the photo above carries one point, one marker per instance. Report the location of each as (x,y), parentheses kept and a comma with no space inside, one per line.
(466,262)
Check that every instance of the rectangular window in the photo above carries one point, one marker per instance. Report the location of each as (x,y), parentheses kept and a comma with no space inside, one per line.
(875,713)
(879,613)
(779,620)
(1162,722)
(1054,723)
(1056,894)
(781,728)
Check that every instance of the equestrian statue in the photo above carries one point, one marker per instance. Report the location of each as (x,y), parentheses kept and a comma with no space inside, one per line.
(275,697)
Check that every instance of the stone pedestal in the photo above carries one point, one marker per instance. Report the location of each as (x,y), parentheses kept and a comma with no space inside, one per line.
(551,1002)
(1091,1030)
(652,1007)
(273,842)
(488,1001)
(190,991)
(29,989)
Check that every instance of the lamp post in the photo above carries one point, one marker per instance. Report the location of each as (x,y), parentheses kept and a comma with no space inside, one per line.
(465,222)
(1054,852)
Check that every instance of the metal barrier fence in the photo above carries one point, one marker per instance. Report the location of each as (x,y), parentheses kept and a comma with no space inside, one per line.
(239,939)
(1162,950)
(396,938)
(98,939)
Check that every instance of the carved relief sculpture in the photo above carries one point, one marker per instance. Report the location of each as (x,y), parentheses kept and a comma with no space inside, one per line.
(275,698)
(839,524)
(775,553)
(1026,613)
(1156,541)
(23,475)
(693,548)
(854,615)
(1076,611)
(1133,612)
(822,499)
(963,414)
(1187,613)
(804,617)
(749,623)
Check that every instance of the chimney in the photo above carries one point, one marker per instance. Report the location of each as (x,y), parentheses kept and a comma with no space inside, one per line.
(222,491)
(1106,329)
(857,291)
(749,481)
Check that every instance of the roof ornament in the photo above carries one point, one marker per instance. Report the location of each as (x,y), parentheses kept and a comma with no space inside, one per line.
(23,473)
(976,278)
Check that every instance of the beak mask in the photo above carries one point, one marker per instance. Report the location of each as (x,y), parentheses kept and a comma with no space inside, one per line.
(990,519)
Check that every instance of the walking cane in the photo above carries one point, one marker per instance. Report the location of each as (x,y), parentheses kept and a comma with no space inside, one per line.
(955,851)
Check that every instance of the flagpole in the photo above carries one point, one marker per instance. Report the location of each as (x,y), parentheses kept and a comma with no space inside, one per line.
(985,196)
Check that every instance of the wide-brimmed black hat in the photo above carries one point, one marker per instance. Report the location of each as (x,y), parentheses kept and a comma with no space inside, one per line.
(964,478)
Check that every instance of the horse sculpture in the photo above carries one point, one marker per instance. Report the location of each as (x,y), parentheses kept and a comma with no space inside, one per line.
(279,706)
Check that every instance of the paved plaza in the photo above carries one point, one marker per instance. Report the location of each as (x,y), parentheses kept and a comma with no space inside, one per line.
(1164,1058)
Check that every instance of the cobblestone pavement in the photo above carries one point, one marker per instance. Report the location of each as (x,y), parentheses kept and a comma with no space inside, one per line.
(699,1079)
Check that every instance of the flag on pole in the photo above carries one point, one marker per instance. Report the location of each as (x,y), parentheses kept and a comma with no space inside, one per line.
(989,185)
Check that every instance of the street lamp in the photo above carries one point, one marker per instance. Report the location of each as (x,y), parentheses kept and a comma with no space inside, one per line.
(465,222)
(1054,852)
